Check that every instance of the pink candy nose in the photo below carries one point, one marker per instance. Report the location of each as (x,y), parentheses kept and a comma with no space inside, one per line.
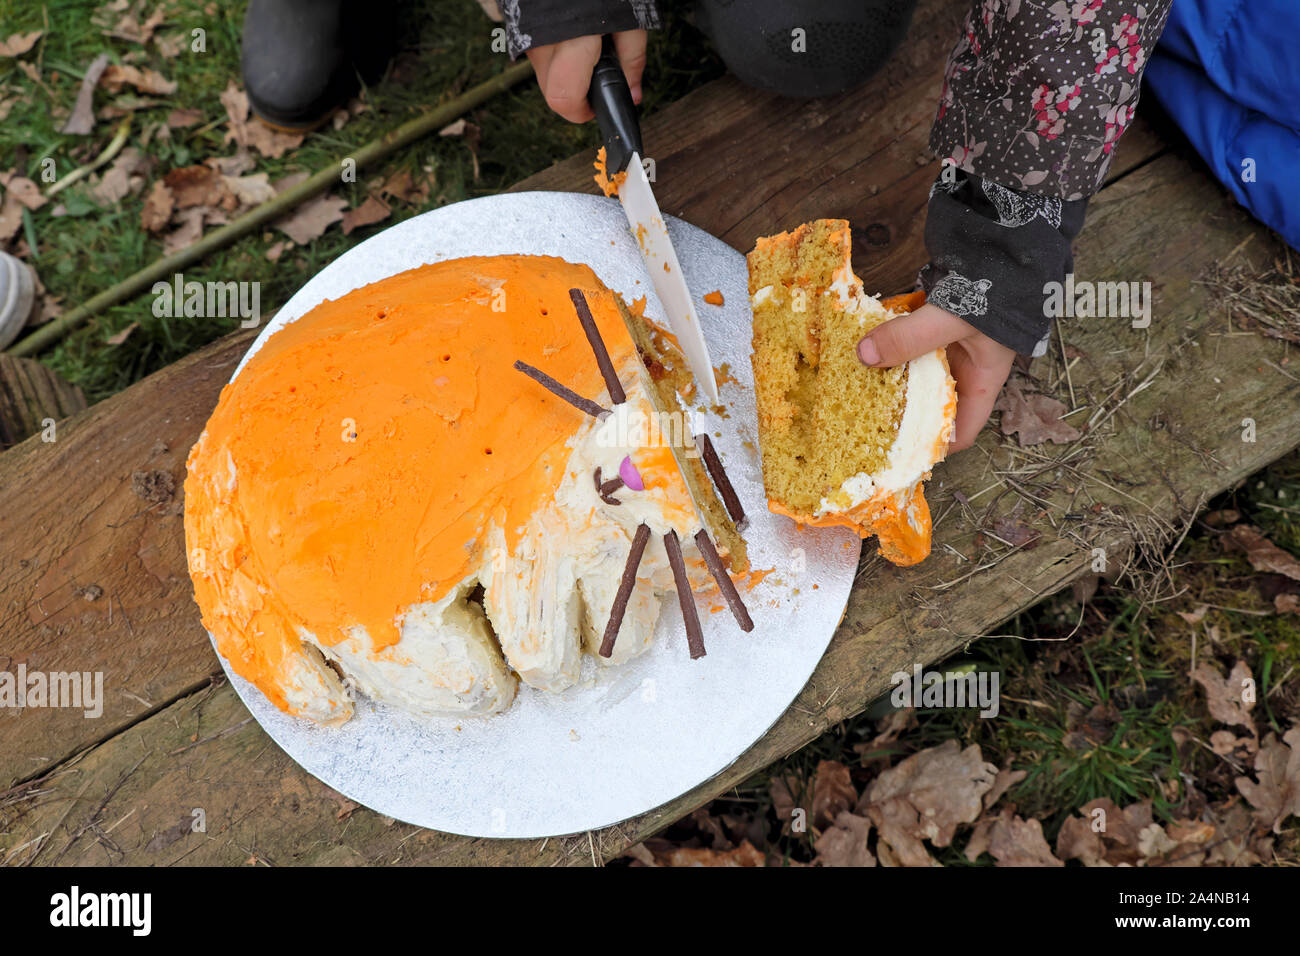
(631,477)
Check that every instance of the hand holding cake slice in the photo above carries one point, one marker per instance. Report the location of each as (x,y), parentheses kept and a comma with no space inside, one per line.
(841,443)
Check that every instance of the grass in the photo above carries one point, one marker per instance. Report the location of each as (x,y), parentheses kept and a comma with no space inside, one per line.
(446,48)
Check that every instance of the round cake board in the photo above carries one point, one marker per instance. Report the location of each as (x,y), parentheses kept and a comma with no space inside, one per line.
(630,738)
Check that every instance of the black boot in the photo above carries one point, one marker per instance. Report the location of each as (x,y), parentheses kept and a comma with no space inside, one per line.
(301,58)
(810,48)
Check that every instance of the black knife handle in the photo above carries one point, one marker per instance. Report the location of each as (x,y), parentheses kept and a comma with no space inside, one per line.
(611,100)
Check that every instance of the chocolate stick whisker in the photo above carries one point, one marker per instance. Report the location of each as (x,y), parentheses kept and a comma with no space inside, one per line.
(725,584)
(562,391)
(616,393)
(720,480)
(624,592)
(694,636)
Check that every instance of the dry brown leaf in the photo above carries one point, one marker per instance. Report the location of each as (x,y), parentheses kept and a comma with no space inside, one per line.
(1004,781)
(402,186)
(463,129)
(158,207)
(368,213)
(11,217)
(1194,617)
(199,185)
(833,792)
(899,825)
(1262,553)
(1015,532)
(171,45)
(1014,841)
(187,232)
(1033,417)
(782,790)
(23,190)
(20,43)
(82,120)
(312,218)
(1078,841)
(1275,793)
(1286,603)
(144,80)
(944,784)
(844,843)
(124,178)
(236,165)
(130,27)
(251,190)
(274,253)
(744,855)
(179,119)
(1225,697)
(117,338)
(253,134)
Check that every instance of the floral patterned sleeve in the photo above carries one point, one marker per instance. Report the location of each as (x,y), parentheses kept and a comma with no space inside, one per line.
(1035,97)
(531,23)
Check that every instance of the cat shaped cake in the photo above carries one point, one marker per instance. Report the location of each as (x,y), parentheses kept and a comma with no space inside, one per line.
(449,482)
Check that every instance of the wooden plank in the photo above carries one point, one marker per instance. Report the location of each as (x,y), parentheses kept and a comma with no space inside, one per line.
(30,395)
(158,653)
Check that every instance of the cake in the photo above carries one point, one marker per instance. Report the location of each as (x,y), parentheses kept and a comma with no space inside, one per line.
(841,443)
(383,503)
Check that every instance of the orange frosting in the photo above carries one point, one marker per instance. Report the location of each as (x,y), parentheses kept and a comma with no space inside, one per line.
(609,185)
(373,439)
(714,297)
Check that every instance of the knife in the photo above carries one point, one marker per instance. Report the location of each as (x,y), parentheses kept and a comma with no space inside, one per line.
(611,101)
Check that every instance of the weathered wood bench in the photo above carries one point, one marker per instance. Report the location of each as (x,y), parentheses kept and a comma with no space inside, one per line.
(93,574)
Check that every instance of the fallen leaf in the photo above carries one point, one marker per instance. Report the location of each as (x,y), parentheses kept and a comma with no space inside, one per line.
(1033,417)
(782,789)
(1286,602)
(19,43)
(1015,532)
(1262,553)
(131,29)
(1275,793)
(845,842)
(144,80)
(178,119)
(1225,697)
(899,825)
(1194,617)
(944,785)
(251,190)
(253,133)
(170,45)
(24,190)
(833,792)
(371,211)
(11,217)
(199,185)
(1077,840)
(117,338)
(312,218)
(274,253)
(236,165)
(468,132)
(402,186)
(158,206)
(744,855)
(1004,781)
(124,178)
(1014,841)
(187,232)
(82,120)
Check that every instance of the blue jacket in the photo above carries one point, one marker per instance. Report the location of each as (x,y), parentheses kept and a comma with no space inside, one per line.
(1228,73)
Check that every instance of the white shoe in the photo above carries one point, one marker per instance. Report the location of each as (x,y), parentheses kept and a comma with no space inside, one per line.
(17,295)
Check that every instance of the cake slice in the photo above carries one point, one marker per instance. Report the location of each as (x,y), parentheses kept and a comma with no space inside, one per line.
(841,443)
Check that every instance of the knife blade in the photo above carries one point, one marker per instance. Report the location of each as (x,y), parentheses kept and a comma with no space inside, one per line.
(611,101)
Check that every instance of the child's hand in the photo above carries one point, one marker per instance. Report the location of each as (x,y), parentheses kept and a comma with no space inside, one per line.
(564,70)
(979,364)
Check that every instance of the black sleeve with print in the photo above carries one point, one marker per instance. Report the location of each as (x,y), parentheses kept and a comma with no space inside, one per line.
(531,23)
(992,250)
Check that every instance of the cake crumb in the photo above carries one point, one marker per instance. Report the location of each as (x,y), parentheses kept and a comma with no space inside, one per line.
(714,297)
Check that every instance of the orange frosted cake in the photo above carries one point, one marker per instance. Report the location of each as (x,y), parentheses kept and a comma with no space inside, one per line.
(381,502)
(841,443)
